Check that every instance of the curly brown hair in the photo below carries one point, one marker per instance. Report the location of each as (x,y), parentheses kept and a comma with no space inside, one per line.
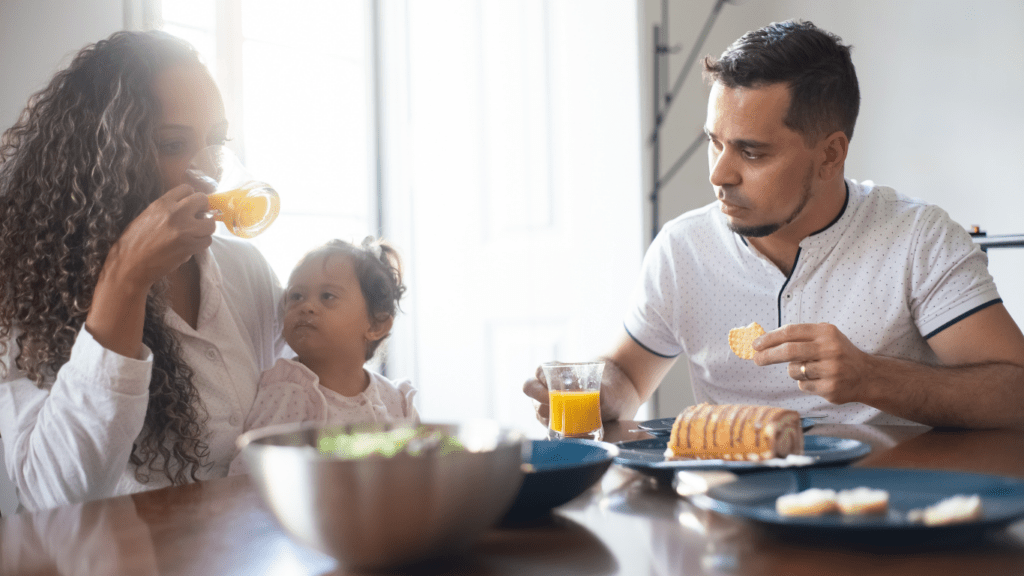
(78,166)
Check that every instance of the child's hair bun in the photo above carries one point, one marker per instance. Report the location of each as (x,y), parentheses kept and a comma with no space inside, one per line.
(373,246)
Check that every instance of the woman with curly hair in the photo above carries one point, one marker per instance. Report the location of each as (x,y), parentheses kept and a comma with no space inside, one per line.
(131,338)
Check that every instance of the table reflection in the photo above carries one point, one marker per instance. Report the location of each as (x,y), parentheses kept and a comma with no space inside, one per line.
(686,540)
(553,545)
(683,540)
(625,524)
(86,539)
(880,438)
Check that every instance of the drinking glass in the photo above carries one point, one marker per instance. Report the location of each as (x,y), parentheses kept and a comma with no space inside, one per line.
(574,389)
(244,204)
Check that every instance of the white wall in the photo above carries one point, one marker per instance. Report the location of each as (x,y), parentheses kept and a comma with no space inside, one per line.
(37,38)
(940,113)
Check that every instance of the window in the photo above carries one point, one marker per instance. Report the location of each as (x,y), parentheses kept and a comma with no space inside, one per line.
(509,152)
(512,151)
(297,82)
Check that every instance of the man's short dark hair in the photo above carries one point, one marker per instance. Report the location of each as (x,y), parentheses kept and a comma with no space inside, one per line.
(813,62)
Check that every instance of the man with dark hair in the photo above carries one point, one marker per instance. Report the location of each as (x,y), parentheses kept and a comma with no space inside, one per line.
(813,63)
(879,306)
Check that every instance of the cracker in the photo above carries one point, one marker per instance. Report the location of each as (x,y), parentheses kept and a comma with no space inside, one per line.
(741,339)
(862,501)
(810,502)
(952,510)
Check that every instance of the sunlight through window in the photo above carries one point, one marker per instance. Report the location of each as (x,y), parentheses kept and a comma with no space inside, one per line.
(297,83)
(509,162)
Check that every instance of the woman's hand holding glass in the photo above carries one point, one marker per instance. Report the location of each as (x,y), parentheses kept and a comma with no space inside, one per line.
(244,204)
(157,242)
(181,223)
(162,238)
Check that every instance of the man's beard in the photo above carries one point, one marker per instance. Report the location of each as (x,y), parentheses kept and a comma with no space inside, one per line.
(762,230)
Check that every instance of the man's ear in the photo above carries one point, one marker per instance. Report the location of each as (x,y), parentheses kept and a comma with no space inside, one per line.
(380,328)
(836,145)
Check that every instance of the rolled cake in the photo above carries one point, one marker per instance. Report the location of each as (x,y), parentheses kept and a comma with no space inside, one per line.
(735,432)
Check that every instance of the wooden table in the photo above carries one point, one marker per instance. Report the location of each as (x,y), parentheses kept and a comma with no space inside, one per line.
(627,524)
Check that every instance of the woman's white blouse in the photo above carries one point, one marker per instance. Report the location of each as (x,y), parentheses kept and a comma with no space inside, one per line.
(71,440)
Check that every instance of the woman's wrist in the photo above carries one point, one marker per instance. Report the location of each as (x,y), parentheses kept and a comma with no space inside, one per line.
(120,275)
(118,310)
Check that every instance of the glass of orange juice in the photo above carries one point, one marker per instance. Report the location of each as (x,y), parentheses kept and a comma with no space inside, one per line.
(574,390)
(244,204)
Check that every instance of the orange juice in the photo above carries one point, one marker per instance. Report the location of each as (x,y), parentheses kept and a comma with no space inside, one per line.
(575,412)
(247,210)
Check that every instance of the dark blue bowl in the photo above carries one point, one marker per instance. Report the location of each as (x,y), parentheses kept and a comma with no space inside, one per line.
(556,472)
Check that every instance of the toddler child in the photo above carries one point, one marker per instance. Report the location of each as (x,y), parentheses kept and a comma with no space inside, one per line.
(340,304)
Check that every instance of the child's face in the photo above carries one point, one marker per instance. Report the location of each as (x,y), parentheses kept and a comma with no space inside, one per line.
(325,312)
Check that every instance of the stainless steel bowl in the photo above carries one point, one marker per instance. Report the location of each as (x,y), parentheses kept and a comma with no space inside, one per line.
(378,511)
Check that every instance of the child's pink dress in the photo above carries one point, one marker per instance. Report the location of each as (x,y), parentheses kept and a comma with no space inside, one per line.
(291,392)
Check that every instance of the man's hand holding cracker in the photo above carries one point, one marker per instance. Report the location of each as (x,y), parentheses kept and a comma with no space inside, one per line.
(821,359)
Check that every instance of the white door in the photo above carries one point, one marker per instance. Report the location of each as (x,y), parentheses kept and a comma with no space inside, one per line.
(512,143)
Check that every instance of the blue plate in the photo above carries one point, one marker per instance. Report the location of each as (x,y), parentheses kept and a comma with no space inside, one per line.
(648,456)
(663,426)
(556,472)
(753,496)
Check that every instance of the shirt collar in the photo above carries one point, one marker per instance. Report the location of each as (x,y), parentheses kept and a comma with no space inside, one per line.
(210,296)
(210,286)
(833,231)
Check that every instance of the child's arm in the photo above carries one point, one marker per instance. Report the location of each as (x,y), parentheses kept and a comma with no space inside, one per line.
(286,393)
(283,396)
